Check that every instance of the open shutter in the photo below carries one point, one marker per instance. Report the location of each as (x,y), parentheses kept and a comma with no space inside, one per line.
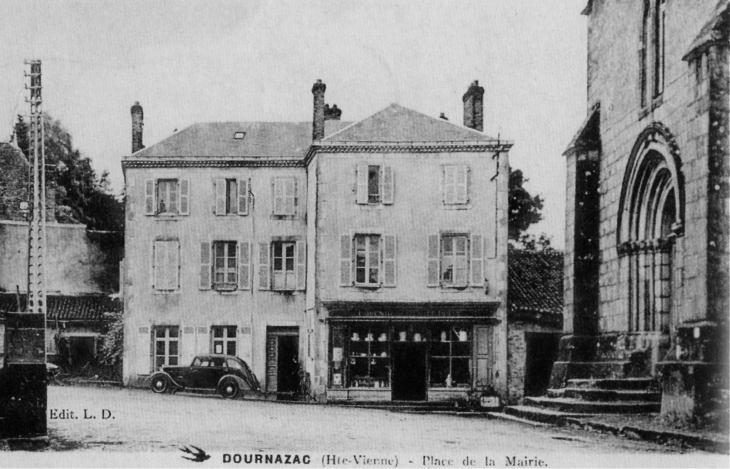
(434,264)
(220,196)
(173,265)
(205,266)
(388,184)
(243,196)
(461,184)
(362,184)
(477,260)
(184,196)
(485,355)
(264,268)
(144,351)
(149,197)
(301,256)
(449,184)
(291,196)
(389,267)
(345,260)
(160,261)
(244,265)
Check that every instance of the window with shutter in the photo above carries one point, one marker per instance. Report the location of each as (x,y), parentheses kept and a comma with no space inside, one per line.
(367,260)
(454,260)
(167,197)
(456,181)
(283,266)
(166,265)
(285,196)
(225,265)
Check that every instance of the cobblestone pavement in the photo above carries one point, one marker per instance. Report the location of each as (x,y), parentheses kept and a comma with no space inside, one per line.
(139,420)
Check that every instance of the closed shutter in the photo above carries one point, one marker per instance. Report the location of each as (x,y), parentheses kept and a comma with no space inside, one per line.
(184,196)
(220,196)
(388,185)
(462,178)
(449,180)
(144,351)
(485,355)
(301,256)
(205,266)
(244,265)
(434,264)
(389,256)
(345,260)
(264,267)
(477,260)
(362,184)
(293,199)
(243,196)
(149,197)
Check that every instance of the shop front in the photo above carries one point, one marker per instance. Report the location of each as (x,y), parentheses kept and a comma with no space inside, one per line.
(398,352)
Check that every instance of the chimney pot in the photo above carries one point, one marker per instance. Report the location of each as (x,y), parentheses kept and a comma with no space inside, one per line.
(137,127)
(443,116)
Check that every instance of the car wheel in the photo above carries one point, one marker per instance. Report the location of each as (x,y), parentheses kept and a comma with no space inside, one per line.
(228,389)
(160,385)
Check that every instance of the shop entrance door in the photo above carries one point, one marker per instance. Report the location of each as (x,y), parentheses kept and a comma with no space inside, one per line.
(282,362)
(409,371)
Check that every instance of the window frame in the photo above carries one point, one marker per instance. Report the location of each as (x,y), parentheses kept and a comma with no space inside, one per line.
(231,196)
(451,355)
(375,198)
(456,200)
(155,285)
(173,191)
(283,182)
(166,341)
(225,285)
(367,240)
(286,273)
(453,238)
(224,340)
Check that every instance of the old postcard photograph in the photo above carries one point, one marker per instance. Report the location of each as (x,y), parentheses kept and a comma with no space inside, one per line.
(364,234)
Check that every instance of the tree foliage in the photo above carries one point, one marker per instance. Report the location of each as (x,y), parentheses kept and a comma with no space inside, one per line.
(524,209)
(82,196)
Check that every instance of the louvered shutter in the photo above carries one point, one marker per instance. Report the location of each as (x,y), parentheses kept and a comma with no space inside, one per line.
(173,265)
(345,260)
(244,265)
(220,196)
(388,184)
(389,257)
(160,264)
(301,256)
(291,196)
(449,184)
(362,184)
(477,260)
(243,184)
(461,184)
(205,266)
(149,197)
(264,267)
(485,355)
(434,264)
(184,196)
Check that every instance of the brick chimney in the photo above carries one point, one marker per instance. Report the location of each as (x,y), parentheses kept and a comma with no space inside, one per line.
(318,119)
(137,125)
(474,107)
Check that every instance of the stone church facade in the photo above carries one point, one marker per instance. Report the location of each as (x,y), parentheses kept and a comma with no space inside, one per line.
(646,267)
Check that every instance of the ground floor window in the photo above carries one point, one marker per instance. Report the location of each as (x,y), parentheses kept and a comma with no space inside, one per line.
(166,346)
(224,339)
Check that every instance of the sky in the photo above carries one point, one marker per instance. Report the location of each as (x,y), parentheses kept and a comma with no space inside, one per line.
(213,60)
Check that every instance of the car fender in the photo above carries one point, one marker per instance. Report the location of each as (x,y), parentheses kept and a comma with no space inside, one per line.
(166,375)
(242,385)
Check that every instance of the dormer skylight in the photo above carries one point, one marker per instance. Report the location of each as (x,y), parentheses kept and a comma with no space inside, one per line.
(239,135)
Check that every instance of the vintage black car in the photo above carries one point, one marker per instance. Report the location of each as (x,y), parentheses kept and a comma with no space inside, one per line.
(227,374)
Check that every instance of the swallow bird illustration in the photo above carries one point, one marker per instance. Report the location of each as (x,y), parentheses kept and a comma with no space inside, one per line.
(198,454)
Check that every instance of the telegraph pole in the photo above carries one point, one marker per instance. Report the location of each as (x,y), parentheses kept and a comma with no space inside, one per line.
(24,382)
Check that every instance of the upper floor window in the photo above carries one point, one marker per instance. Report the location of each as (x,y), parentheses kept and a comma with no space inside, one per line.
(285,196)
(282,265)
(375,184)
(284,275)
(166,265)
(653,50)
(455,184)
(167,196)
(368,260)
(231,196)
(225,265)
(455,260)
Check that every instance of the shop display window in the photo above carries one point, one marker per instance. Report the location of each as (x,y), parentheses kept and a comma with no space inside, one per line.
(450,364)
(369,356)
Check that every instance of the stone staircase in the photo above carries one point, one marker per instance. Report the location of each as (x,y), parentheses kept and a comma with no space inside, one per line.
(581,397)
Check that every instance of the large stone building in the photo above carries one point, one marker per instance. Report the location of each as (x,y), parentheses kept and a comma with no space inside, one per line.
(370,255)
(646,272)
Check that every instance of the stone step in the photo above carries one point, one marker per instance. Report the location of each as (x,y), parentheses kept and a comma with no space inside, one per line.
(595,370)
(615,384)
(594,394)
(540,414)
(578,406)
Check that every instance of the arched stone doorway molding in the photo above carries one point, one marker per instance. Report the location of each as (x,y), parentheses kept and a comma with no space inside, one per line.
(651,215)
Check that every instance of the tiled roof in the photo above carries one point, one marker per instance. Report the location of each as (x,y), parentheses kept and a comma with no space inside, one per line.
(716,29)
(261,139)
(535,282)
(399,124)
(67,307)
